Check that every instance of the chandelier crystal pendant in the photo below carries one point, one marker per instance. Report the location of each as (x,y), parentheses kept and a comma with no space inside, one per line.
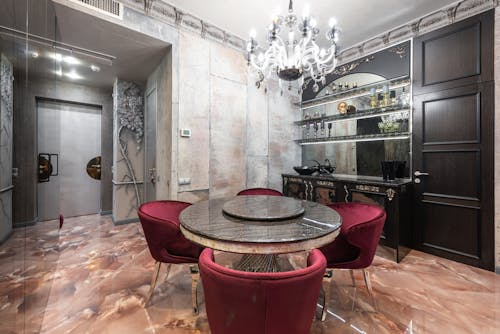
(293,52)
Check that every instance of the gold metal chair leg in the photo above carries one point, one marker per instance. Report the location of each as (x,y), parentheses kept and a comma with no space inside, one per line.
(195,277)
(351,271)
(327,282)
(154,279)
(366,276)
(167,271)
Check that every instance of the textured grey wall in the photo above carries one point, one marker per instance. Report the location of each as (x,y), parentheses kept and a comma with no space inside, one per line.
(25,150)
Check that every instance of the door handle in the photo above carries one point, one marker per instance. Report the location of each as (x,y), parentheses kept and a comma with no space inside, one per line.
(419,173)
(152,175)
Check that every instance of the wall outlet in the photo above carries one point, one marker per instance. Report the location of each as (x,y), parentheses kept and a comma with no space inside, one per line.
(184,181)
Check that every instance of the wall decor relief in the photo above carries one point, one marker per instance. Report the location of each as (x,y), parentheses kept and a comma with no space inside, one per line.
(128,160)
(6,117)
(7,86)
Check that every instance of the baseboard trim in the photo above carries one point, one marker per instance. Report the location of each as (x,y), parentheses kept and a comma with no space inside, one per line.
(106,212)
(25,223)
(125,221)
(6,237)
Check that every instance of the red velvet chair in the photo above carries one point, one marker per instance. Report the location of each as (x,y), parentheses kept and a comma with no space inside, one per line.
(355,246)
(260,191)
(160,222)
(265,303)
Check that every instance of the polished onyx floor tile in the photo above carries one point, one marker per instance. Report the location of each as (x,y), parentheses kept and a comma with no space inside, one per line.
(91,277)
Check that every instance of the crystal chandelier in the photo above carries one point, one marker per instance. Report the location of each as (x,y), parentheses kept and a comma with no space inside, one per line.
(292,59)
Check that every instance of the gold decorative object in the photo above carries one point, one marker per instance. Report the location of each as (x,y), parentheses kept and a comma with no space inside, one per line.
(399,50)
(347,68)
(363,187)
(94,168)
(390,194)
(342,108)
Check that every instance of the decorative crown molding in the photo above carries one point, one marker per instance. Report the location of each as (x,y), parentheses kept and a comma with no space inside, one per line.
(460,10)
(165,12)
(455,12)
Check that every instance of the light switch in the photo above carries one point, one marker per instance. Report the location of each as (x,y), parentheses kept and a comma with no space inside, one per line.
(186,133)
(184,181)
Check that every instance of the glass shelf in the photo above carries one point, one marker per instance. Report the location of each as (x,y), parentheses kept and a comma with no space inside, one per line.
(356,92)
(361,114)
(355,138)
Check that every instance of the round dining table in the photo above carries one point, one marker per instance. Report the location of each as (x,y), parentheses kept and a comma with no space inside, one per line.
(260,227)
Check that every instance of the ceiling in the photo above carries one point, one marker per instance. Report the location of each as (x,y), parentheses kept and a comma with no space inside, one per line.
(358,20)
(135,55)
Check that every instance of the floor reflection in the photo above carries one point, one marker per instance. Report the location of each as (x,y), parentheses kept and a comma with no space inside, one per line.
(91,277)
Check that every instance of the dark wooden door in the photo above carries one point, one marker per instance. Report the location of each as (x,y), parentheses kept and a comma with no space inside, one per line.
(457,55)
(453,143)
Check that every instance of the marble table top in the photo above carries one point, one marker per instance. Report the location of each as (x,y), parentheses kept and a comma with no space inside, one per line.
(205,223)
(263,207)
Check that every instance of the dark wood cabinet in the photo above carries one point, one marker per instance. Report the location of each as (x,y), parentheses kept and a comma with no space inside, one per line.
(394,197)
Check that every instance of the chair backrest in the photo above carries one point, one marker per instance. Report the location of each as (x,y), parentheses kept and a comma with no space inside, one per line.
(264,303)
(362,226)
(160,222)
(260,191)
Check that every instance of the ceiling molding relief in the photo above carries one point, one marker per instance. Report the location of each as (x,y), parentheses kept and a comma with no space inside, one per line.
(173,16)
(460,10)
(445,16)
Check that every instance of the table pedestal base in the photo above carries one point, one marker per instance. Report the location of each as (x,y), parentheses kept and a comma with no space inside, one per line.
(259,263)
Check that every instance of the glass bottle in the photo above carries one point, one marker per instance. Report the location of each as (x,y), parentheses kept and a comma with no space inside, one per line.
(380,99)
(385,91)
(392,96)
(373,98)
(404,98)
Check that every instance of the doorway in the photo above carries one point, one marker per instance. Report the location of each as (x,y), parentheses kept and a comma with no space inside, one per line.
(150,146)
(69,150)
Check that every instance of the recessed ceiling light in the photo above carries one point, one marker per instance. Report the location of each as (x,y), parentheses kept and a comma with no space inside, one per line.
(56,56)
(71,60)
(67,59)
(35,54)
(73,75)
(95,68)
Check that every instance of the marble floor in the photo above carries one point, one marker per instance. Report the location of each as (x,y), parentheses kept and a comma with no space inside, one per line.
(91,277)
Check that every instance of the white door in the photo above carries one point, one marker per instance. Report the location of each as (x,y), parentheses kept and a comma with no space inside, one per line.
(70,136)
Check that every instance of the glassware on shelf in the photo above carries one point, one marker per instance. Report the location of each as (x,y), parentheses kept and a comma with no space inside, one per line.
(404,98)
(385,91)
(380,99)
(323,131)
(330,129)
(392,96)
(373,98)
